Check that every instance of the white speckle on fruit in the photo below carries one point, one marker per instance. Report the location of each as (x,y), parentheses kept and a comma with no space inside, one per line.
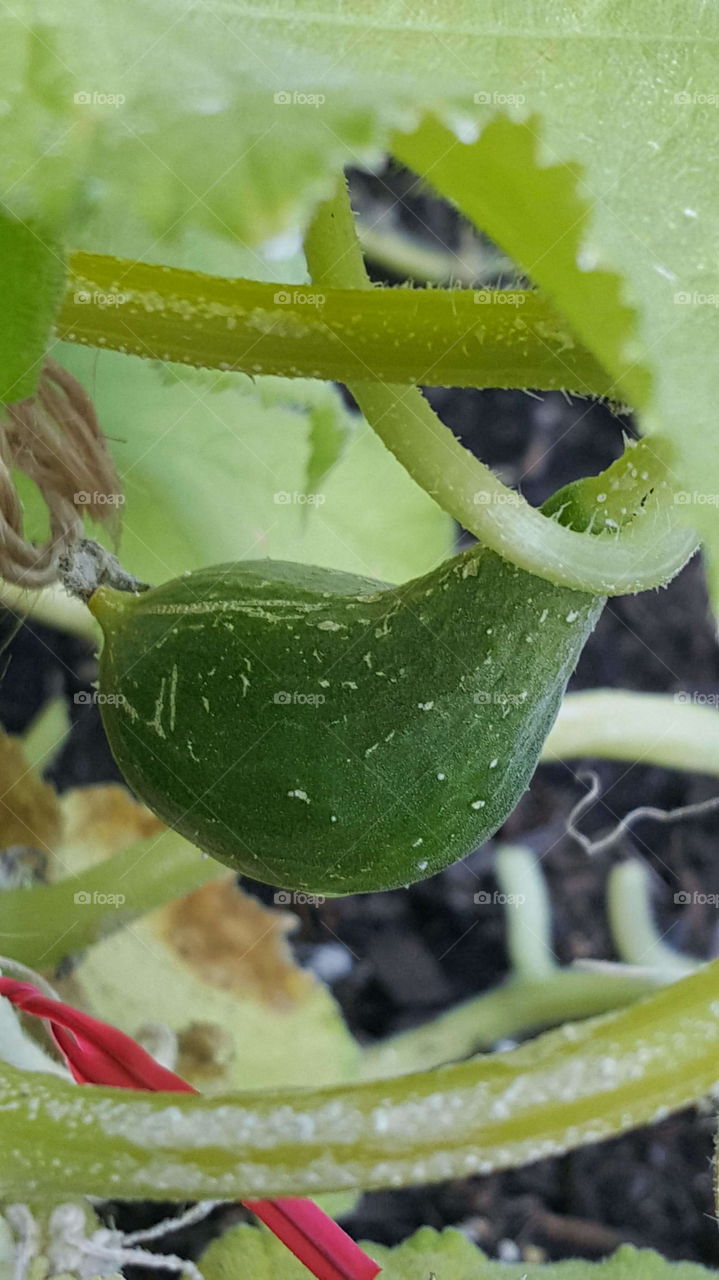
(493,764)
(422,866)
(572,616)
(425,706)
(441,777)
(206,703)
(299,794)
(156,722)
(478,804)
(173,695)
(417,843)
(327,624)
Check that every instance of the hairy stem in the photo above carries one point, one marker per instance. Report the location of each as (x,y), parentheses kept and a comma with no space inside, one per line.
(645,554)
(571,1086)
(442,337)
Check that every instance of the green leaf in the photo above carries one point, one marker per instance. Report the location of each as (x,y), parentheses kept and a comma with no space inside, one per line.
(637,283)
(606,188)
(450,1256)
(446,1255)
(540,212)
(229,989)
(212,476)
(32,278)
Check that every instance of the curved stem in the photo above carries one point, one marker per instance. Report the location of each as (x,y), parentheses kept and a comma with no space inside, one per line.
(528,914)
(537,993)
(515,1009)
(568,1087)
(645,554)
(676,731)
(634,929)
(442,337)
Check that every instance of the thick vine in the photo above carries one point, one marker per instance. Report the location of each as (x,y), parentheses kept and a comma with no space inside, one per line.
(645,554)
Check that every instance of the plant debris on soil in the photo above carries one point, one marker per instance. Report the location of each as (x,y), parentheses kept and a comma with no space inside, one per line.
(397,959)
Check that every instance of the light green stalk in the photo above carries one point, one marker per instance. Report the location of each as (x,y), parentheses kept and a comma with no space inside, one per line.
(446,337)
(646,553)
(571,1086)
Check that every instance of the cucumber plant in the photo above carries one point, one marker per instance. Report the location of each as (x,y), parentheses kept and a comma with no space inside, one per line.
(152,167)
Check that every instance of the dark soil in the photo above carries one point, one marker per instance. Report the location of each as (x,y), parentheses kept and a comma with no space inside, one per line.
(410,954)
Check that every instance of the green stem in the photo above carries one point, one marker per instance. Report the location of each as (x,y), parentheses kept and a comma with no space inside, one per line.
(537,994)
(41,926)
(443,337)
(645,554)
(407,258)
(513,1010)
(52,606)
(632,923)
(672,730)
(571,1086)
(528,914)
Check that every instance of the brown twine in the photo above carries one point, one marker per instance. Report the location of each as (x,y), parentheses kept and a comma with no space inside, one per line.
(55,439)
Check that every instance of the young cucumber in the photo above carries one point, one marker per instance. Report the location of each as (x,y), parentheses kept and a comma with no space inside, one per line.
(327,733)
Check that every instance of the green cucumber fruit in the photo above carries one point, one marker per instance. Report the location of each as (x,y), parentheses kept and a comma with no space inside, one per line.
(328,733)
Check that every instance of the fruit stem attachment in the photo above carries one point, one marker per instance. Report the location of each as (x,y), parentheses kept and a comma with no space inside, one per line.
(87,565)
(648,552)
